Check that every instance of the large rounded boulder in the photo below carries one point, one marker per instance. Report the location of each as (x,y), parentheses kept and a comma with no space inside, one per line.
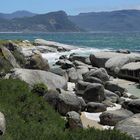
(68,102)
(32,77)
(131,126)
(74,120)
(94,93)
(111,86)
(37,62)
(98,73)
(134,106)
(94,107)
(111,118)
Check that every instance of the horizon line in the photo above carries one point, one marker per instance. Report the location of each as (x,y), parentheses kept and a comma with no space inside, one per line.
(68,12)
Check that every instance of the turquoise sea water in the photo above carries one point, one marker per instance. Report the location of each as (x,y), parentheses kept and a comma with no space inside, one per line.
(99,40)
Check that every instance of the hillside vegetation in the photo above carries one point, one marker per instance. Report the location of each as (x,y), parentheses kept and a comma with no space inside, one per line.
(29,117)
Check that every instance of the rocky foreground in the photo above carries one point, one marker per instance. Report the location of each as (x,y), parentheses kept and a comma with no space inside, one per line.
(78,86)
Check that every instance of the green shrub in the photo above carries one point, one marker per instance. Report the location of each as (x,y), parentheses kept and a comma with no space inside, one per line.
(29,117)
(40,89)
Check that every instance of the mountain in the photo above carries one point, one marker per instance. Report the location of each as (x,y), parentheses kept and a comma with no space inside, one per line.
(122,20)
(17,14)
(51,22)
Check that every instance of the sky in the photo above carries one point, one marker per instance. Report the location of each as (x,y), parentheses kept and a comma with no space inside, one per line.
(72,7)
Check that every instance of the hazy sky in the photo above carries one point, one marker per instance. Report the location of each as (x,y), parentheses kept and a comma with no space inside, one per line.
(70,6)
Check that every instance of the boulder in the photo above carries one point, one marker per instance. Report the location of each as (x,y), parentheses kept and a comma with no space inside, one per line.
(56,45)
(100,58)
(52,97)
(80,87)
(133,105)
(83,104)
(94,107)
(108,103)
(111,86)
(81,70)
(88,123)
(65,64)
(94,93)
(37,62)
(92,80)
(123,51)
(113,65)
(72,75)
(131,71)
(131,126)
(79,63)
(68,102)
(111,118)
(63,57)
(45,49)
(83,59)
(2,124)
(74,120)
(99,73)
(59,71)
(9,57)
(32,77)
(111,96)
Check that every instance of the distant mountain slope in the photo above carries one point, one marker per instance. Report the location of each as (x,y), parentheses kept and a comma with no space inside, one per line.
(123,20)
(51,22)
(17,14)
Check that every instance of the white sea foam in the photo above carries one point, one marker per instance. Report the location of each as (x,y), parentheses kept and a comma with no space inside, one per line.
(95,116)
(53,57)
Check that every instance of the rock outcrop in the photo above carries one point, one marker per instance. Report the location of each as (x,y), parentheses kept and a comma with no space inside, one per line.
(37,62)
(32,77)
(9,57)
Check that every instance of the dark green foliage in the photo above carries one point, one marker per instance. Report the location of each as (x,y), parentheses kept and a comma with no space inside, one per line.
(29,117)
(40,89)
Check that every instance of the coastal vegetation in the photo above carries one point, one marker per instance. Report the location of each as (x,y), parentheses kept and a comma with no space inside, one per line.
(28,116)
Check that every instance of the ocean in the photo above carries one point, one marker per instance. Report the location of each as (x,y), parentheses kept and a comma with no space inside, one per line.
(96,40)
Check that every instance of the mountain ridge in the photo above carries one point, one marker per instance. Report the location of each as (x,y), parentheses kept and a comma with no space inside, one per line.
(17,14)
(51,22)
(121,20)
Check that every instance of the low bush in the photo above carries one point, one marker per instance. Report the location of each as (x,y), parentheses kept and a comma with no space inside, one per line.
(40,89)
